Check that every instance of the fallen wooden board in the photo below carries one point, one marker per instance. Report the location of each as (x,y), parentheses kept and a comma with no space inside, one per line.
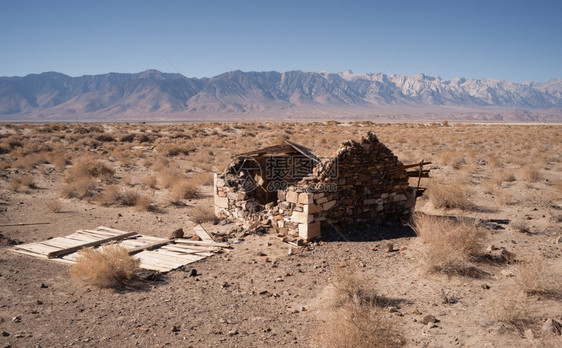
(196,242)
(200,231)
(85,245)
(155,253)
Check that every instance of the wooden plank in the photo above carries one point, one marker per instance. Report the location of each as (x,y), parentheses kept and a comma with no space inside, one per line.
(60,244)
(171,256)
(196,242)
(204,235)
(109,229)
(162,266)
(85,245)
(81,238)
(151,246)
(179,257)
(25,224)
(99,233)
(189,248)
(38,248)
(413,165)
(30,253)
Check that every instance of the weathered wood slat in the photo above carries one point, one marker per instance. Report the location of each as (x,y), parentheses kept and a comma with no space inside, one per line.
(196,242)
(189,248)
(413,165)
(204,235)
(85,245)
(175,256)
(148,247)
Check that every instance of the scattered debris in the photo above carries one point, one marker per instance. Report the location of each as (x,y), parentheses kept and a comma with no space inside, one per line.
(177,234)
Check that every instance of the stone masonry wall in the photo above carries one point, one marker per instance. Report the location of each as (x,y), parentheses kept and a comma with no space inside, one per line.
(363,182)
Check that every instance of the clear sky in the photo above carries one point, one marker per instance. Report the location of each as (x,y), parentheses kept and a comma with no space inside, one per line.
(500,39)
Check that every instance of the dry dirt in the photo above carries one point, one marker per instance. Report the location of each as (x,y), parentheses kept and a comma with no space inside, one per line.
(258,294)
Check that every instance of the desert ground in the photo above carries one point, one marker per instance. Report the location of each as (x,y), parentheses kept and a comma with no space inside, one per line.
(479,266)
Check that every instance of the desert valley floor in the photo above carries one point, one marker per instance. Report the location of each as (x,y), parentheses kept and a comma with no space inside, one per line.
(502,183)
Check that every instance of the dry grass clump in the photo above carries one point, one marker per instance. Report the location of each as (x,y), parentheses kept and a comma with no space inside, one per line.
(115,195)
(453,159)
(202,214)
(510,306)
(54,206)
(106,267)
(88,168)
(183,189)
(451,243)
(530,173)
(531,277)
(19,182)
(150,181)
(352,323)
(450,196)
(81,188)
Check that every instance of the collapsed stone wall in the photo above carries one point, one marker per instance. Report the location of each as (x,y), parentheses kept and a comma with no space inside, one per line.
(363,182)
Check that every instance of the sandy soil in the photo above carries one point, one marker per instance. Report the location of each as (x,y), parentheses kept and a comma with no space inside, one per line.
(265,292)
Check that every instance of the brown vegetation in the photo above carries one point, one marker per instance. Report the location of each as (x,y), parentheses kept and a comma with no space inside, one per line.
(106,267)
(451,243)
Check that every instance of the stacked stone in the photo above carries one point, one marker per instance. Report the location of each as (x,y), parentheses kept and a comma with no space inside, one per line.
(230,203)
(295,213)
(364,182)
(369,184)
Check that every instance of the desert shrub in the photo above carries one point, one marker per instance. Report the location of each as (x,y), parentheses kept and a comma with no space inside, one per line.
(81,188)
(106,267)
(532,278)
(170,177)
(105,138)
(20,181)
(450,196)
(115,195)
(150,181)
(451,243)
(145,202)
(351,322)
(453,159)
(202,214)
(183,189)
(88,168)
(59,159)
(175,150)
(530,173)
(128,138)
(54,206)
(509,306)
(202,178)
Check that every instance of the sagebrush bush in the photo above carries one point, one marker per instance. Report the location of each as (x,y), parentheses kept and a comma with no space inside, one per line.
(451,243)
(115,195)
(81,188)
(105,267)
(183,189)
(450,196)
(88,168)
(203,214)
(353,319)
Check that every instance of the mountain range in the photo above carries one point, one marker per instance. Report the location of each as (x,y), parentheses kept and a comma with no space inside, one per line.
(156,96)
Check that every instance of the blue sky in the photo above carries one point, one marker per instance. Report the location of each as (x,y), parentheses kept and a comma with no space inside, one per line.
(505,40)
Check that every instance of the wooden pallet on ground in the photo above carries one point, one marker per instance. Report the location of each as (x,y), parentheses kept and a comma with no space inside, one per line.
(158,254)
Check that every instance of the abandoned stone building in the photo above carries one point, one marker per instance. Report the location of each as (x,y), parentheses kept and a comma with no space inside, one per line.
(297,193)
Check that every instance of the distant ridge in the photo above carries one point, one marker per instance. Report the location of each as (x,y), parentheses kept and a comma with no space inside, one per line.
(274,95)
